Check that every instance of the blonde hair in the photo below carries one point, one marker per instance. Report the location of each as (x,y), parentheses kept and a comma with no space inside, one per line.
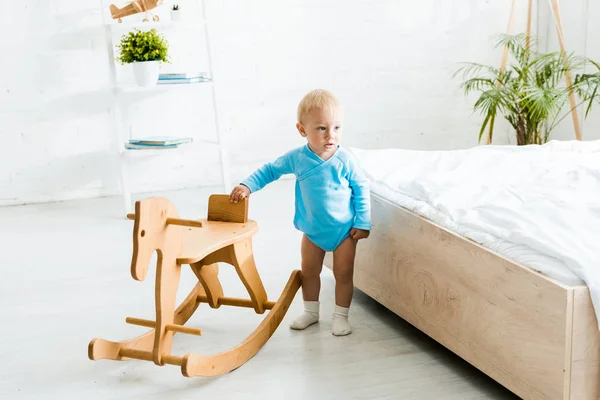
(317,99)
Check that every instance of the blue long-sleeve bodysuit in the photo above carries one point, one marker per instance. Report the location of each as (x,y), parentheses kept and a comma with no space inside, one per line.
(332,196)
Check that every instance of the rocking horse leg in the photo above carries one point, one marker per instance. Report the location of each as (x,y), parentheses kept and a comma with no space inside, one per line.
(167,281)
(99,349)
(208,275)
(243,261)
(240,255)
(218,364)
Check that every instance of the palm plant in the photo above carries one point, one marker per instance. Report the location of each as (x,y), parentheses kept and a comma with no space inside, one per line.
(530,93)
(588,86)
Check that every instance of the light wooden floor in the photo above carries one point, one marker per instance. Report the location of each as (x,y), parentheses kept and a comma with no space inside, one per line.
(65,280)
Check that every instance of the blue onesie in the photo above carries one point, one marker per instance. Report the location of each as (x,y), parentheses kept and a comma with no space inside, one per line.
(332,196)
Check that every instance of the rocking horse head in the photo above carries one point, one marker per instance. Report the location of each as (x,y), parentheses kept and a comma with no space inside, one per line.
(151,233)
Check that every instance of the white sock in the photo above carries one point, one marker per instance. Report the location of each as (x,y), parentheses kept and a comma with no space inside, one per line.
(309,317)
(340,325)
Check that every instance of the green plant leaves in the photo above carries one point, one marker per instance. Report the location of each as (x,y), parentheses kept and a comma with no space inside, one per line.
(140,46)
(587,86)
(531,92)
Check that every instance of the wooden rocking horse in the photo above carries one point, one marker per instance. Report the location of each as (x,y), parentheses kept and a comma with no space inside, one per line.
(225,236)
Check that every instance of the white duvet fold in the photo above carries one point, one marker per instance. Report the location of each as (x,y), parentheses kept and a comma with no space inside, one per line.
(536,205)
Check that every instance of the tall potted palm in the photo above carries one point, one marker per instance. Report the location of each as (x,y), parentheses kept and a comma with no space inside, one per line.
(530,94)
(145,50)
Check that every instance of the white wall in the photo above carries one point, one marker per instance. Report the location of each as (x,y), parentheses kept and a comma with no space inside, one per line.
(390,61)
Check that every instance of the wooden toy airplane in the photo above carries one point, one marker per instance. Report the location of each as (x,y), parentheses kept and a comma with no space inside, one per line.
(225,236)
(135,7)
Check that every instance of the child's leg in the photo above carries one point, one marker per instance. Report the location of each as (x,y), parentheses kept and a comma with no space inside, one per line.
(312,264)
(343,271)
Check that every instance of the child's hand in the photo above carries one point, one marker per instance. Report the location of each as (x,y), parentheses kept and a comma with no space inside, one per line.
(239,193)
(358,234)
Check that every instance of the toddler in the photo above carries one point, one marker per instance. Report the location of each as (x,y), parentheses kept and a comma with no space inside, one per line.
(332,206)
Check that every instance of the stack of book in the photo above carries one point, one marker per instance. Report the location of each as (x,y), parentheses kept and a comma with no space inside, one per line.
(171,78)
(156,143)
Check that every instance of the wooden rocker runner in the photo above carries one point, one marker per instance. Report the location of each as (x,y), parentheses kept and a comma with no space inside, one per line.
(225,236)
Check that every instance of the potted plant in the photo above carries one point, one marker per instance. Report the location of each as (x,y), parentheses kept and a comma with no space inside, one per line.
(530,94)
(175,13)
(145,50)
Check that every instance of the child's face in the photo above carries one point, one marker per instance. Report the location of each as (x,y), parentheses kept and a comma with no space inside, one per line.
(323,130)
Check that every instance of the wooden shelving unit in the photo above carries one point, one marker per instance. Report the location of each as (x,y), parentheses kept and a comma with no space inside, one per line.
(113,31)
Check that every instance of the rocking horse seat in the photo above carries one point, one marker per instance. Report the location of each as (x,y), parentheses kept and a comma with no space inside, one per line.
(213,236)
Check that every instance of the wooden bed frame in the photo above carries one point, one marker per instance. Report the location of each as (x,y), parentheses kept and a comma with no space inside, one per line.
(533,335)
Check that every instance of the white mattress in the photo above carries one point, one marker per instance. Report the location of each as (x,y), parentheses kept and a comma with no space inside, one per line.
(536,205)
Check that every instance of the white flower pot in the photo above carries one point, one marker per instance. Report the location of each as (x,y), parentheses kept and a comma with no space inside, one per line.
(175,15)
(146,73)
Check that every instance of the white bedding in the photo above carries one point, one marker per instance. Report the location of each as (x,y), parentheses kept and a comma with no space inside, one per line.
(536,205)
